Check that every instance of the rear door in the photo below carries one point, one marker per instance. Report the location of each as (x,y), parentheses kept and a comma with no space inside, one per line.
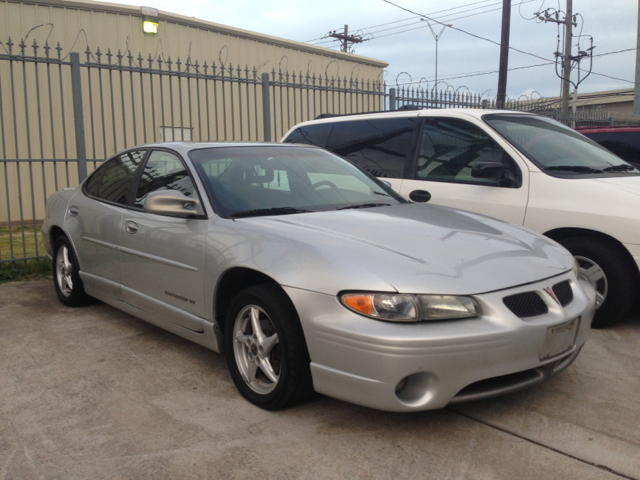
(94,219)
(447,149)
(162,256)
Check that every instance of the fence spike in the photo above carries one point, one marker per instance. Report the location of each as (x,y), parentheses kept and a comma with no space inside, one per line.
(35,48)
(59,50)
(150,60)
(88,53)
(46,49)
(22,47)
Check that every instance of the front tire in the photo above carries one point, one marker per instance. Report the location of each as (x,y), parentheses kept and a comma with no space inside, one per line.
(266,351)
(66,276)
(606,267)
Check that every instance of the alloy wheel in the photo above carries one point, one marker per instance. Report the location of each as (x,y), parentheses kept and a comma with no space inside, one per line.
(256,349)
(64,271)
(592,273)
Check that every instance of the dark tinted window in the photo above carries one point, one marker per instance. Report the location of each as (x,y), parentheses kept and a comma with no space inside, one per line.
(310,134)
(93,183)
(163,171)
(379,146)
(624,144)
(449,148)
(118,175)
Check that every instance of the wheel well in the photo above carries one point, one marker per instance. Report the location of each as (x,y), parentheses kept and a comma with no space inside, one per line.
(54,234)
(560,234)
(232,282)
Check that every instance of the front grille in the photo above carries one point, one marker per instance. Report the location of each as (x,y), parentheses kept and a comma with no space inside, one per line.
(563,292)
(528,304)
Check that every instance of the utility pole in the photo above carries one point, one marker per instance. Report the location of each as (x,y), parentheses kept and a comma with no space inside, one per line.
(346,38)
(566,69)
(504,53)
(636,98)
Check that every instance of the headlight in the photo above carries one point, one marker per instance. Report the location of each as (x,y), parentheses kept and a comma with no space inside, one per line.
(411,308)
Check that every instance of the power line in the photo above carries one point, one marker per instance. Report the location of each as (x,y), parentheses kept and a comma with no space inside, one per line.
(469,33)
(441,17)
(489,72)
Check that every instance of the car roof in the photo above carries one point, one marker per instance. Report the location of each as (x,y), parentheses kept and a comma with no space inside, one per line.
(448,112)
(184,147)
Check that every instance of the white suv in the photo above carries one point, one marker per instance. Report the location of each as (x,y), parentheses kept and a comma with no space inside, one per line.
(522,168)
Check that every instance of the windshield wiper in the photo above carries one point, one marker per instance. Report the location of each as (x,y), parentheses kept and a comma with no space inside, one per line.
(365,205)
(623,167)
(268,211)
(574,168)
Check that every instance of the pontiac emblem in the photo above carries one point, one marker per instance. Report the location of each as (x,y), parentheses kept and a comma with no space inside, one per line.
(552,295)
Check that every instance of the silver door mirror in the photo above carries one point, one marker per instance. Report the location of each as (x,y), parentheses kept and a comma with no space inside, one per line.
(172,203)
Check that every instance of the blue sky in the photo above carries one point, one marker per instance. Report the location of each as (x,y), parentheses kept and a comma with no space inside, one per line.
(408,44)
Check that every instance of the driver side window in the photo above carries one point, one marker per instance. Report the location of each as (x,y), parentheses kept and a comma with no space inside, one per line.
(163,171)
(449,148)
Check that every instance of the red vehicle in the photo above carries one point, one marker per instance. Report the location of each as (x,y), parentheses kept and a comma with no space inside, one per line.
(624,141)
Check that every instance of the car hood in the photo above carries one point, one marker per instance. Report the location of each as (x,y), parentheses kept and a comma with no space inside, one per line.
(627,184)
(410,248)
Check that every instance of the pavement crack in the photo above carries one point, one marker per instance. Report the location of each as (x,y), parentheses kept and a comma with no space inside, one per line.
(540,444)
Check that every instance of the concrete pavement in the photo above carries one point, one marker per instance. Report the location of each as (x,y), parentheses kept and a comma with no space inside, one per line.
(94,393)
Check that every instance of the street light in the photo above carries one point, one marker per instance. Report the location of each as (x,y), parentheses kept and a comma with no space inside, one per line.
(436,38)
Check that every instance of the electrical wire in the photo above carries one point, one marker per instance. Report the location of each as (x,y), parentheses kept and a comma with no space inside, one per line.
(441,17)
(469,33)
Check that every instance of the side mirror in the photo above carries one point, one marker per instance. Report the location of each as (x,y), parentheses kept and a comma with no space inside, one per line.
(495,171)
(172,204)
(490,170)
(420,196)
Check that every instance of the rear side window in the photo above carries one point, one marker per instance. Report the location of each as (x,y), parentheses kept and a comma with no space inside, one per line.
(163,171)
(310,134)
(449,148)
(378,146)
(117,177)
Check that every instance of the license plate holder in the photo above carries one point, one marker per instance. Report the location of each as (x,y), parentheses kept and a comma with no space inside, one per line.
(560,339)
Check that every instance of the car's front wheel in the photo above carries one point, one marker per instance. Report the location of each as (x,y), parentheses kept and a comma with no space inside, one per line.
(611,274)
(66,276)
(266,350)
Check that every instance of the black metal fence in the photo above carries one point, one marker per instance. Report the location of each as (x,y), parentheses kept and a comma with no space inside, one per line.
(61,116)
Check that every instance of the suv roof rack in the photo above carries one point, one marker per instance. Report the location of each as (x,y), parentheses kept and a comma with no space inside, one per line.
(400,109)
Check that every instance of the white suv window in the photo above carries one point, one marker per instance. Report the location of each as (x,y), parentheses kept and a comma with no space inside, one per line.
(449,148)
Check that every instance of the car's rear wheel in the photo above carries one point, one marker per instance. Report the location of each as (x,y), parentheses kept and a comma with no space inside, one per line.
(66,277)
(266,350)
(605,267)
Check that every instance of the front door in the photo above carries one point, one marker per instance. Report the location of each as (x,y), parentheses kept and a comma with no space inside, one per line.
(447,150)
(161,256)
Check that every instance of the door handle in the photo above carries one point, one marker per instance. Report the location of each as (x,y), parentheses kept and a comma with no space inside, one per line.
(130,227)
(74,211)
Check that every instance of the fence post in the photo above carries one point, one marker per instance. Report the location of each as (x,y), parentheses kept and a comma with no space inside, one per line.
(392,99)
(266,108)
(78,115)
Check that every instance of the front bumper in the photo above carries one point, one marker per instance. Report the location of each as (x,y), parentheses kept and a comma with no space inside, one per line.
(427,365)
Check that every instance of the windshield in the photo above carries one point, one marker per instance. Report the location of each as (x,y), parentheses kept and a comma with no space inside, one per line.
(257,180)
(556,148)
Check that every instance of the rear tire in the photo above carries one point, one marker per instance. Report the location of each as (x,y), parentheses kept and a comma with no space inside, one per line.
(606,267)
(66,275)
(266,350)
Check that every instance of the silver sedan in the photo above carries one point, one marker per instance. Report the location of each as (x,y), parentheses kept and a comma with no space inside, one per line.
(311,275)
